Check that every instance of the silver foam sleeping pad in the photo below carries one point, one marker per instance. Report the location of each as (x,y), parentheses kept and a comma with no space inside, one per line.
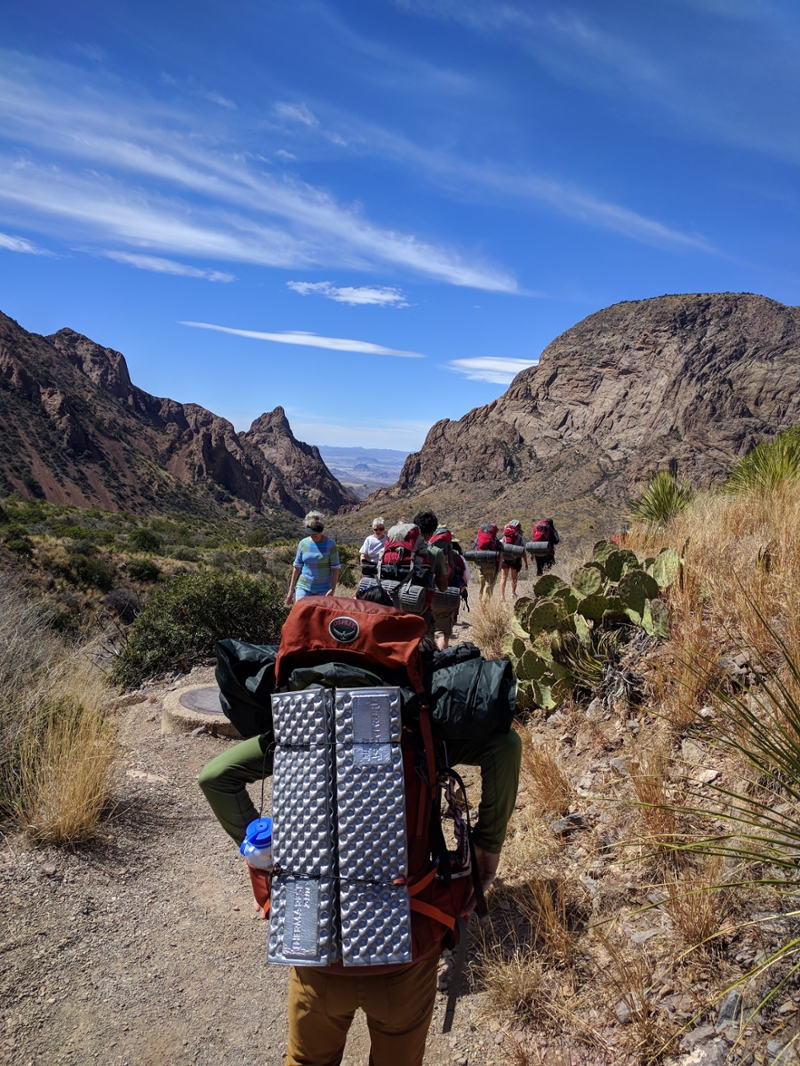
(304,915)
(370,799)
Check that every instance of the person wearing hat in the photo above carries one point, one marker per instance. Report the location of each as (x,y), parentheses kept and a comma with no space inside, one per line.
(372,548)
(316,566)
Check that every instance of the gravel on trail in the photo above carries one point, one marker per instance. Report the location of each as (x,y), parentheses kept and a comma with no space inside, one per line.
(142,949)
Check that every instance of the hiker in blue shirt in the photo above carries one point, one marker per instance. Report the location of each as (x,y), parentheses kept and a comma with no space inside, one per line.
(316,566)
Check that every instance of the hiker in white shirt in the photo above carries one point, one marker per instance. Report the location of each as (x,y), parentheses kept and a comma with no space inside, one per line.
(372,548)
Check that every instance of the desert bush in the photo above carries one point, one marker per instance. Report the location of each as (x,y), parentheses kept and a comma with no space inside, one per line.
(257,538)
(348,557)
(89,570)
(21,546)
(661,500)
(143,570)
(182,622)
(769,465)
(183,553)
(145,540)
(251,562)
(123,603)
(221,560)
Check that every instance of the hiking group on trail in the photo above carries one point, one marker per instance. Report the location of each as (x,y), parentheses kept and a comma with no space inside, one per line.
(369,866)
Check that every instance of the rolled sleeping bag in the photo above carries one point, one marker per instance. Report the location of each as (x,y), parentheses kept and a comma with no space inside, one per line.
(451,598)
(481,556)
(513,551)
(539,547)
(408,598)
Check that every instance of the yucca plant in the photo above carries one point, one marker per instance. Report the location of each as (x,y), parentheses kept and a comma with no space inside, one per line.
(752,831)
(661,499)
(770,464)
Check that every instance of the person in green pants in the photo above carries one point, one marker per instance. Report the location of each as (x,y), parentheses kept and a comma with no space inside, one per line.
(399,1006)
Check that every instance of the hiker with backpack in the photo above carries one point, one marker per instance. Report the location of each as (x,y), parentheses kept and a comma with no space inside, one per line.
(544,533)
(337,639)
(512,534)
(444,615)
(435,617)
(490,552)
(315,571)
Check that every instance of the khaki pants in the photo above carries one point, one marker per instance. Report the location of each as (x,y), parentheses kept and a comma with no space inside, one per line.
(398,1009)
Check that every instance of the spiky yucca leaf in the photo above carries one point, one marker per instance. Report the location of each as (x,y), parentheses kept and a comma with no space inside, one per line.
(770,464)
(661,499)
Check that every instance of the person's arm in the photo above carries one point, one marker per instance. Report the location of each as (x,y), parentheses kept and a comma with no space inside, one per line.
(363,552)
(440,571)
(296,572)
(335,567)
(224,782)
(521,540)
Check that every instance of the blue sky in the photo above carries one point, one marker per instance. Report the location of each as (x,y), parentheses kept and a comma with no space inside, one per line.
(375,212)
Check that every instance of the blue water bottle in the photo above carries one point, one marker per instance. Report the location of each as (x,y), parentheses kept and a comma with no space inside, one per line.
(257,844)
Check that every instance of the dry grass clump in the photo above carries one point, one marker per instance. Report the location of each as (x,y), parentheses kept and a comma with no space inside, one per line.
(650,779)
(548,787)
(65,758)
(490,621)
(57,743)
(698,904)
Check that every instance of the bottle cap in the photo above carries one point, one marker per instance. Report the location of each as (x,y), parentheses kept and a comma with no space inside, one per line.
(259,833)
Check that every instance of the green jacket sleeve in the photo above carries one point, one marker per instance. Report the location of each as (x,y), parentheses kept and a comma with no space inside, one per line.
(224,782)
(499,759)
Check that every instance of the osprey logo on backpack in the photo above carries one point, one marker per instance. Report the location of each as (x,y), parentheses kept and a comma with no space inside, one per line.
(344,629)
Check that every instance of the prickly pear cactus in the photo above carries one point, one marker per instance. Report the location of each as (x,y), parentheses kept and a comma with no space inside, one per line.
(564,636)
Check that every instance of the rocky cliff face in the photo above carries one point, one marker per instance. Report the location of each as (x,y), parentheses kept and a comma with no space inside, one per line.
(297,464)
(74,429)
(691,382)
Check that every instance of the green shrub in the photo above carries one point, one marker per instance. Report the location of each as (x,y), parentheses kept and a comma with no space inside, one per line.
(20,545)
(143,570)
(768,465)
(145,540)
(221,560)
(182,622)
(93,571)
(661,500)
(185,554)
(251,562)
(257,538)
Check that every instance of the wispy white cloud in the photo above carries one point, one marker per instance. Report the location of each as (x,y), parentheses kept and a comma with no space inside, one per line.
(217,98)
(310,340)
(356,296)
(167,266)
(496,369)
(301,113)
(20,244)
(237,210)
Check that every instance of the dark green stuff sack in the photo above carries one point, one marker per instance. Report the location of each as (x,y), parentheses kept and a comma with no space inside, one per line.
(246,677)
(473,699)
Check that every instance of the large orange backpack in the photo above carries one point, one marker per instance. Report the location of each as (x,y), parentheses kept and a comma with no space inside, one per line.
(326,629)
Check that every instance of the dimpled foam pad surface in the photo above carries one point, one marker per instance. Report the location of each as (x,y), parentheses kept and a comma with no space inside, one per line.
(303,719)
(371,812)
(303,926)
(376,924)
(303,840)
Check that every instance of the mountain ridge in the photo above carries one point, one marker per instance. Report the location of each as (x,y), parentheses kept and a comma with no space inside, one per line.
(686,381)
(75,429)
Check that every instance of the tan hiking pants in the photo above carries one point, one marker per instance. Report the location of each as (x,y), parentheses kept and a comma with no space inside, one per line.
(398,1009)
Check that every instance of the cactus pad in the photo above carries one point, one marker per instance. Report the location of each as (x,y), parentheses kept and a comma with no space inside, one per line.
(615,563)
(593,606)
(666,567)
(586,581)
(602,550)
(547,585)
(545,616)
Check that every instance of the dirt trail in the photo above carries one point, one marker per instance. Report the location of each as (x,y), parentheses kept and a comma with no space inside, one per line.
(142,950)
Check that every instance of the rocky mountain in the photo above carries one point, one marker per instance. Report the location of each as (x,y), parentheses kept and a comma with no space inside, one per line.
(74,429)
(689,382)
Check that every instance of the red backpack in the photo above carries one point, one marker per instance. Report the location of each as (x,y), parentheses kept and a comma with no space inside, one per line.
(511,535)
(541,531)
(325,629)
(487,538)
(456,575)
